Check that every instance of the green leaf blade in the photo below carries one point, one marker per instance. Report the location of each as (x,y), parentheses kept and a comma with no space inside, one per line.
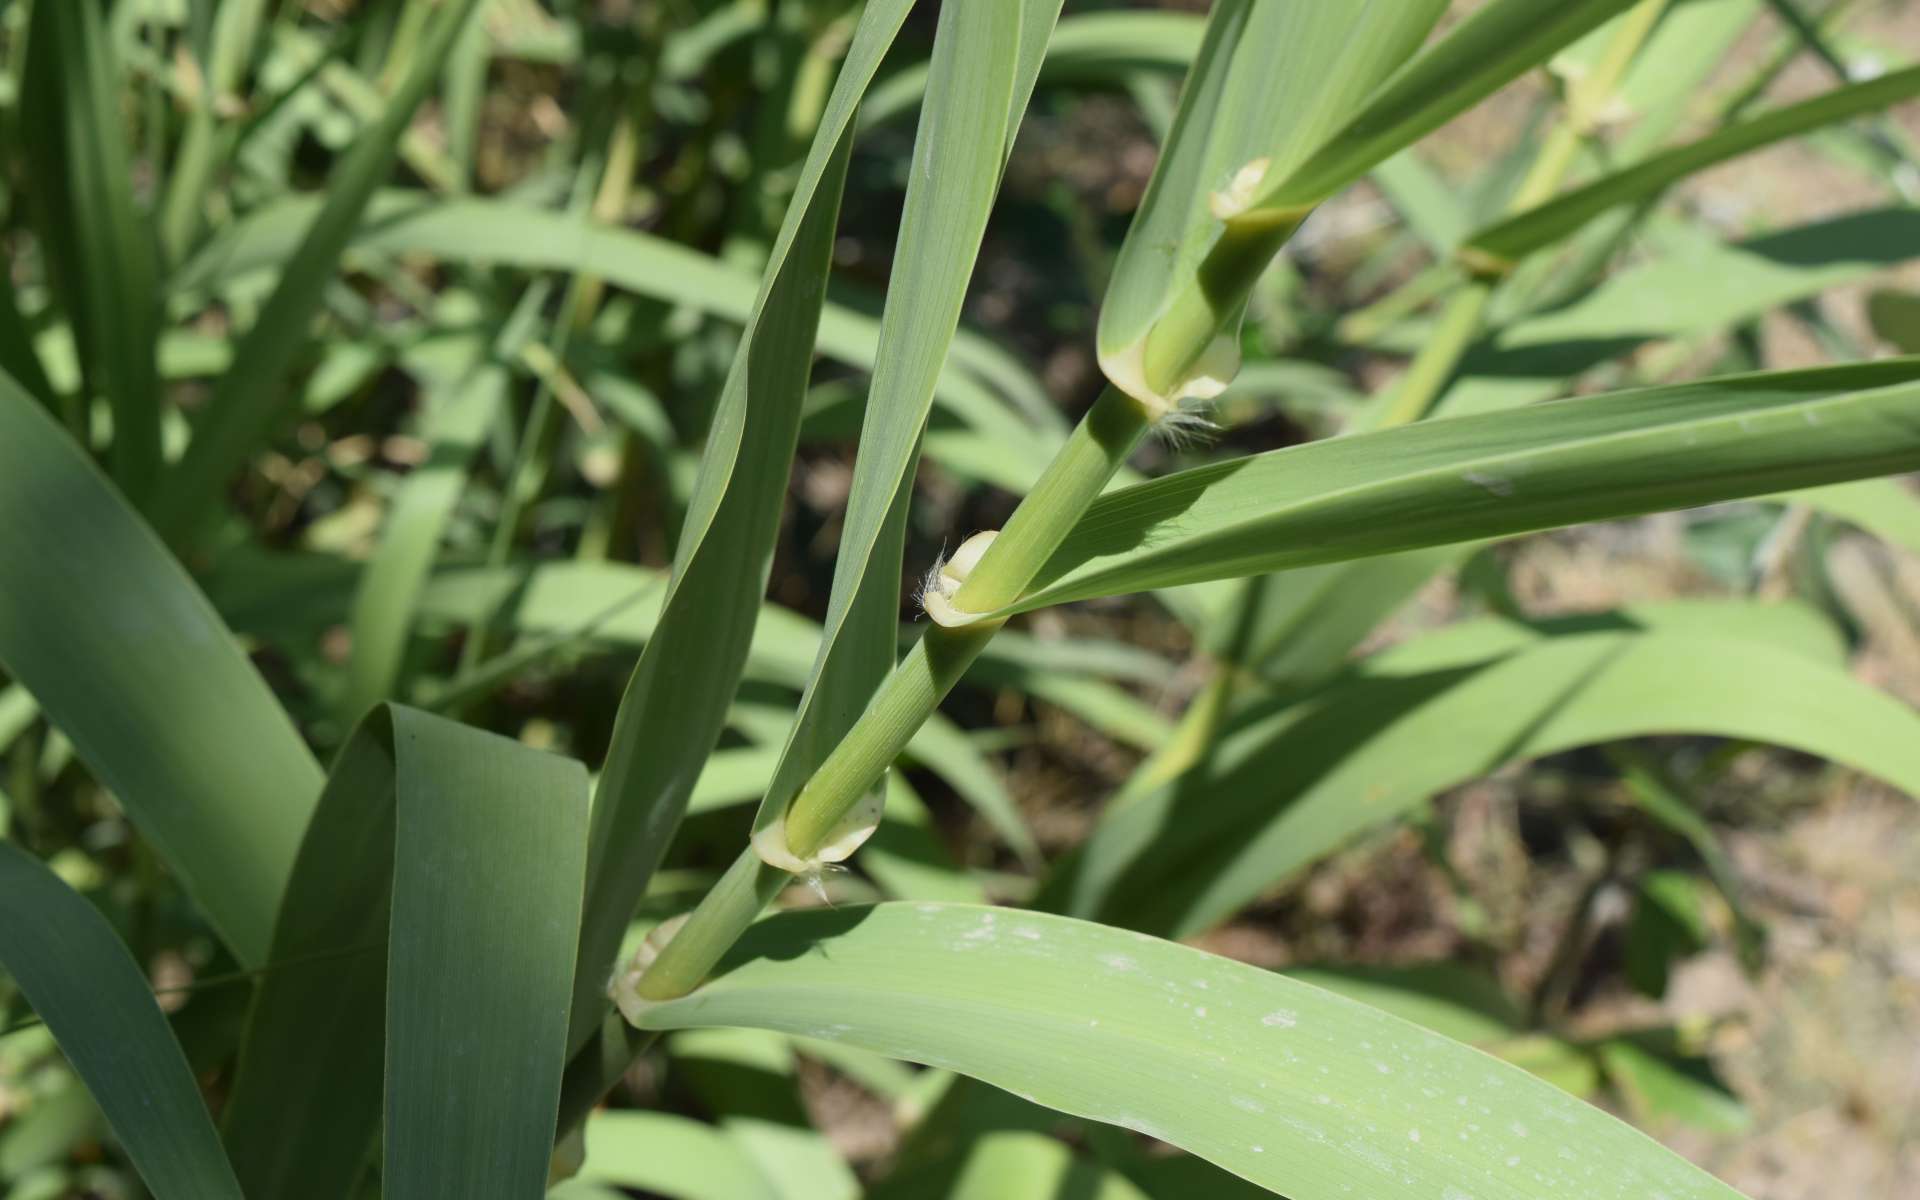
(1525,233)
(985,61)
(676,702)
(1475,477)
(1301,782)
(510,233)
(1300,1091)
(86,987)
(1271,80)
(99,254)
(428,941)
(464,407)
(126,656)
(251,396)
(490,845)
(1494,46)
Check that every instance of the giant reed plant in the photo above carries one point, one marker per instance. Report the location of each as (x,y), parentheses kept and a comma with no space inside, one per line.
(439,934)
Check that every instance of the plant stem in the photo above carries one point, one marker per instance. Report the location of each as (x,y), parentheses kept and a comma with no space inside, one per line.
(1363,325)
(1210,304)
(1094,451)
(905,700)
(1076,476)
(1440,355)
(731,905)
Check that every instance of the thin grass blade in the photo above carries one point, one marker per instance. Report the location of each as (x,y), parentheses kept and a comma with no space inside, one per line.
(985,60)
(1500,246)
(676,702)
(1093,47)
(235,25)
(1272,79)
(1698,289)
(1292,787)
(252,396)
(1496,44)
(980,383)
(464,406)
(98,251)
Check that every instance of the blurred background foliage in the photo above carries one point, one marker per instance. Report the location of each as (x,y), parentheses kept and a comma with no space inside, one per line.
(491,439)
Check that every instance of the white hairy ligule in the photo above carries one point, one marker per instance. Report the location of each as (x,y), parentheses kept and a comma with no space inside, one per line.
(947,576)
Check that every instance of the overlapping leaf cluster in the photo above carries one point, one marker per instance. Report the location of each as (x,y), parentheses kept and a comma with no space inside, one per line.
(420,937)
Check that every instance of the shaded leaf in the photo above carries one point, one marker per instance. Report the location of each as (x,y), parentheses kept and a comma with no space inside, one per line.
(423,967)
(127,658)
(82,982)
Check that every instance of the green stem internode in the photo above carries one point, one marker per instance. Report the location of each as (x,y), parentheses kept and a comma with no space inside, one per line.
(1366,324)
(1094,451)
(909,695)
(1461,321)
(1211,304)
(723,914)
(904,702)
(1412,398)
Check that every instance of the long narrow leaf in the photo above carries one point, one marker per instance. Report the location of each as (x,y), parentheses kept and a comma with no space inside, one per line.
(1300,784)
(1100,47)
(1478,477)
(1699,289)
(1300,1091)
(233,29)
(464,407)
(677,700)
(509,233)
(1708,285)
(1272,79)
(87,988)
(128,659)
(427,939)
(1490,49)
(99,253)
(1513,239)
(985,61)
(618,604)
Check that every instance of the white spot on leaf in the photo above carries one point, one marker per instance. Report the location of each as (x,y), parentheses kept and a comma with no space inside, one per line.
(1493,483)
